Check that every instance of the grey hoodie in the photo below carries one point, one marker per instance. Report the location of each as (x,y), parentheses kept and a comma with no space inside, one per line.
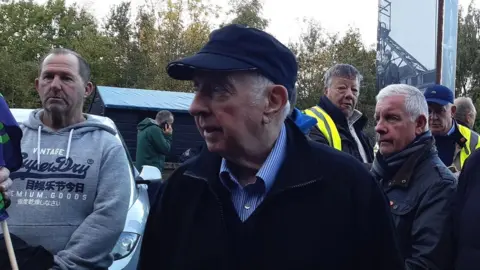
(72,196)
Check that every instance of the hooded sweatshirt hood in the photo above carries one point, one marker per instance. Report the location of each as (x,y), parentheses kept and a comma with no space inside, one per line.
(303,121)
(147,122)
(77,130)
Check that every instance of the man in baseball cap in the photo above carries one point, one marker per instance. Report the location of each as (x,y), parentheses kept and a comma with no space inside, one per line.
(454,141)
(260,195)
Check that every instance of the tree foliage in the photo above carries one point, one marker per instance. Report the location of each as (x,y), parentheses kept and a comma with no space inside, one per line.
(248,12)
(467,81)
(132,49)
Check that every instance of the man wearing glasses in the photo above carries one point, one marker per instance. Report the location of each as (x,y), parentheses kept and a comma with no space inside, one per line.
(454,141)
(339,124)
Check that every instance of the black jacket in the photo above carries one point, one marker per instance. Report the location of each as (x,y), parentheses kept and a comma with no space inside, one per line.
(421,195)
(28,257)
(324,211)
(348,142)
(467,216)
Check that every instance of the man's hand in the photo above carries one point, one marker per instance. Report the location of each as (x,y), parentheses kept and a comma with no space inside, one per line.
(168,130)
(5,181)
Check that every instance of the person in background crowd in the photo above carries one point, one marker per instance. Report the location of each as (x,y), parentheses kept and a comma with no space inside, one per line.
(466,217)
(419,186)
(72,170)
(465,113)
(339,124)
(154,139)
(455,142)
(260,195)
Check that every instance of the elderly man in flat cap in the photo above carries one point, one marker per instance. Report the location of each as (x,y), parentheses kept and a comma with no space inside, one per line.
(261,195)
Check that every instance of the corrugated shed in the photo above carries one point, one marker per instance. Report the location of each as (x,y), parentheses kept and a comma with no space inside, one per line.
(140,99)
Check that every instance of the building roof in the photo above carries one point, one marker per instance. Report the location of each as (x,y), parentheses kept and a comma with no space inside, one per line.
(141,99)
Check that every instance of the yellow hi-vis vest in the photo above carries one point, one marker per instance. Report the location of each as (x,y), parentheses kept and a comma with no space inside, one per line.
(326,126)
(472,143)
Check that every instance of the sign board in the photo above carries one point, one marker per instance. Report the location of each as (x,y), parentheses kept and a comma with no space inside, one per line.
(407,34)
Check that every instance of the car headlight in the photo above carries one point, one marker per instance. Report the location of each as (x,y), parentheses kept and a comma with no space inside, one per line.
(125,245)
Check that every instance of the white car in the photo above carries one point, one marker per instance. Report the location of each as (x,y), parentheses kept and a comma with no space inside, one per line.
(127,250)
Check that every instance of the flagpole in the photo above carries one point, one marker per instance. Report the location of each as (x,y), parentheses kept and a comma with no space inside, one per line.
(8,243)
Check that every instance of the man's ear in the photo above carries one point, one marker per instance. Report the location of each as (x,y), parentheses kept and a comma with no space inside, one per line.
(420,124)
(277,98)
(37,82)
(89,89)
(453,110)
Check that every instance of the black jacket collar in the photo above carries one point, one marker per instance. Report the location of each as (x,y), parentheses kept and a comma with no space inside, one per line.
(295,170)
(406,172)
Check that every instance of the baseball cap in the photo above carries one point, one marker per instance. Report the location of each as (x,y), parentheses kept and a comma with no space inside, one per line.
(439,94)
(240,48)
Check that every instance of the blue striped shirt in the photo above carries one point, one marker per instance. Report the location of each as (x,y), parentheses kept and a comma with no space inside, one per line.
(247,199)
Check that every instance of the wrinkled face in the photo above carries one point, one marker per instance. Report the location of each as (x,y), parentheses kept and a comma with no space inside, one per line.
(344,94)
(440,118)
(227,113)
(395,129)
(60,87)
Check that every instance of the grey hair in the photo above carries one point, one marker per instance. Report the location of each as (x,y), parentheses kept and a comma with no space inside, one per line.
(260,84)
(163,116)
(342,71)
(415,102)
(465,107)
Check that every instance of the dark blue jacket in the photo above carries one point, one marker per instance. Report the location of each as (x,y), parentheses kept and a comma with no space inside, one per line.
(466,216)
(304,122)
(324,211)
(421,194)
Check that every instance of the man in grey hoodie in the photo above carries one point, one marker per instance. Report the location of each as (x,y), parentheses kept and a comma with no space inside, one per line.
(71,194)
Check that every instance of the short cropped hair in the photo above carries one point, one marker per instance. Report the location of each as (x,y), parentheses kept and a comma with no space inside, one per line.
(83,66)
(163,116)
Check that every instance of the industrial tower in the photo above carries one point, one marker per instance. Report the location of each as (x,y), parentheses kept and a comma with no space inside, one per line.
(407,69)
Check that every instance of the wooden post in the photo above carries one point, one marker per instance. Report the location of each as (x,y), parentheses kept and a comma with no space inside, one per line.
(441,12)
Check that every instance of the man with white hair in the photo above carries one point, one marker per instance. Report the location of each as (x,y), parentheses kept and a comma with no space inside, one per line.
(260,195)
(465,113)
(419,186)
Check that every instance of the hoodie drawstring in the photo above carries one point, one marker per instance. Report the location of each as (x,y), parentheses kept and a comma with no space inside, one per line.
(69,144)
(38,146)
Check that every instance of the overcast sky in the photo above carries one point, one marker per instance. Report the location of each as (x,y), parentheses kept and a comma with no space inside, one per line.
(285,15)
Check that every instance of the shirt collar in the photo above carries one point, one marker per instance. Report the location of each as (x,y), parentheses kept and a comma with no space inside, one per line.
(450,132)
(269,170)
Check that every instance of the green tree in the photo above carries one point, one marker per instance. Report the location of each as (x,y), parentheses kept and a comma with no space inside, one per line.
(313,60)
(123,56)
(183,27)
(248,12)
(27,31)
(467,82)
